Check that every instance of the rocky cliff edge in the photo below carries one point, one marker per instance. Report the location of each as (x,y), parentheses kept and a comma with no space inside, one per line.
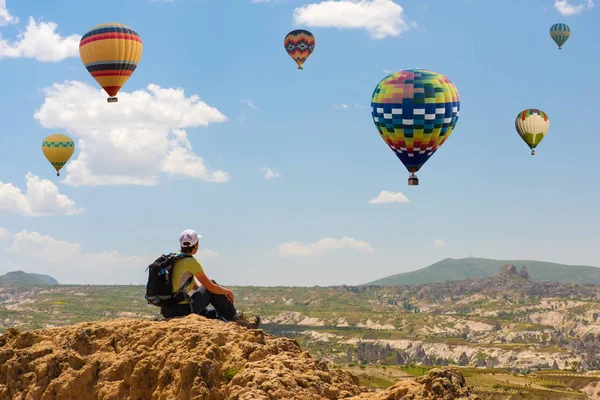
(189,358)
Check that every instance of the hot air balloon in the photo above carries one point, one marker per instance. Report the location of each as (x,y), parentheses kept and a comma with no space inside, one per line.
(111,52)
(532,125)
(415,111)
(58,149)
(560,33)
(299,44)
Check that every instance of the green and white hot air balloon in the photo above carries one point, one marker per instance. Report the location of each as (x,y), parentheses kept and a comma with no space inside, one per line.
(560,33)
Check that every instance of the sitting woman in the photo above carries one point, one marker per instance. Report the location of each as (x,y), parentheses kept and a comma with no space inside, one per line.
(208,292)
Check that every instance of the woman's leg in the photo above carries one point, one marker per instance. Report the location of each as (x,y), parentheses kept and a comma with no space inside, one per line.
(202,298)
(219,301)
(224,307)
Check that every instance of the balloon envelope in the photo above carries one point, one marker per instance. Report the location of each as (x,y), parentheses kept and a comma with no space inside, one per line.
(560,33)
(415,111)
(58,149)
(110,53)
(299,44)
(532,125)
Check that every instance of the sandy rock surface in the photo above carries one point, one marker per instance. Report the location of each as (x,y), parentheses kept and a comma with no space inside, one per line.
(438,384)
(189,358)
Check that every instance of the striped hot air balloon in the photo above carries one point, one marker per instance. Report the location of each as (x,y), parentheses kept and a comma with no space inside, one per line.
(560,33)
(532,125)
(111,52)
(58,149)
(299,44)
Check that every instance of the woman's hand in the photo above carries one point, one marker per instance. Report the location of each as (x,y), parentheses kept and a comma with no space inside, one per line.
(230,296)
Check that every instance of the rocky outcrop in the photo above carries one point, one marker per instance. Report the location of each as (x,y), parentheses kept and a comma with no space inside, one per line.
(191,358)
(186,358)
(509,269)
(438,384)
(523,273)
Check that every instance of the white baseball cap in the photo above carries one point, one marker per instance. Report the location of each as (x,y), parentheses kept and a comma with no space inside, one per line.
(188,238)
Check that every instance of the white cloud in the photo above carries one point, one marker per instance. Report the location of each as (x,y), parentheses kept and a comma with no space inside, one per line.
(381,18)
(207,253)
(439,243)
(317,248)
(347,107)
(565,8)
(389,197)
(66,262)
(269,173)
(133,141)
(249,103)
(40,41)
(387,71)
(5,17)
(4,233)
(42,198)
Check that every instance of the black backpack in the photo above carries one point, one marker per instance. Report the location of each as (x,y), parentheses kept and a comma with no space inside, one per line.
(159,289)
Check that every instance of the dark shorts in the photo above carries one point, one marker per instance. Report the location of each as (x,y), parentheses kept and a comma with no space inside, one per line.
(223,309)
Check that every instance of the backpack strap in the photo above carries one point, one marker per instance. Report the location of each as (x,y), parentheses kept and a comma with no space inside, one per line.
(178,257)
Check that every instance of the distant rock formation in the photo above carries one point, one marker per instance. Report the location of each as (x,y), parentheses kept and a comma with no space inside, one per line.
(491,363)
(510,271)
(523,273)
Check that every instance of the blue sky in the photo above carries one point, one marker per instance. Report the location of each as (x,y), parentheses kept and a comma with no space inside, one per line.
(216,103)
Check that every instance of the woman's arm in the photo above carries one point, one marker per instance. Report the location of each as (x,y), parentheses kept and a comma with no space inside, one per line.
(213,287)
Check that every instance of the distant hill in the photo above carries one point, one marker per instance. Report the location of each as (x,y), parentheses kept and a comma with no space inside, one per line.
(27,279)
(457,269)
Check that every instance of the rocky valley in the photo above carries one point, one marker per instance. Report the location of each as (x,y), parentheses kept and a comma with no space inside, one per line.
(506,323)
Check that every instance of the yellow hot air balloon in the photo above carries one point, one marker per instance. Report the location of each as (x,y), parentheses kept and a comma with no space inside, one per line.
(532,125)
(110,53)
(58,149)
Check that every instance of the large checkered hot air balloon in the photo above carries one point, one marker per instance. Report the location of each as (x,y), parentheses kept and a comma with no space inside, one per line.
(299,44)
(415,111)
(532,125)
(58,149)
(111,52)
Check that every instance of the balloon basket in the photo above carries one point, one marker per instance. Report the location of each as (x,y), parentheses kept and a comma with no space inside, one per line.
(533,152)
(413,181)
(112,100)
(300,68)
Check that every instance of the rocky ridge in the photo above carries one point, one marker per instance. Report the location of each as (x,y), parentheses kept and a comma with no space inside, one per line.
(187,358)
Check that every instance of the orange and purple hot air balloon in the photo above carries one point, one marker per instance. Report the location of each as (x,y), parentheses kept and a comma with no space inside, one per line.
(111,52)
(299,44)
